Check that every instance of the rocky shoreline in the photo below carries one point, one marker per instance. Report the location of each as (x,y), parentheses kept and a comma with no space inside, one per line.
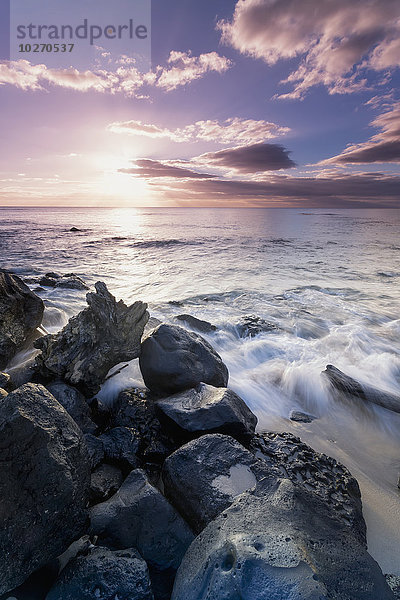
(168,493)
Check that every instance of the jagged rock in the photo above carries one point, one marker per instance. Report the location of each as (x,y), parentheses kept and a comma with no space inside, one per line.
(301,417)
(317,473)
(95,449)
(105,481)
(74,403)
(203,477)
(151,324)
(133,409)
(251,325)
(139,516)
(5,382)
(283,544)
(206,409)
(3,393)
(197,324)
(394,584)
(104,575)
(101,336)
(351,387)
(173,359)
(121,445)
(44,482)
(21,312)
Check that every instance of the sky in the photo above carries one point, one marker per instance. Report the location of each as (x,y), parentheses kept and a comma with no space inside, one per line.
(276,103)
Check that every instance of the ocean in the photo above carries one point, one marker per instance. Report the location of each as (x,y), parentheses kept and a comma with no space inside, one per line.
(327,280)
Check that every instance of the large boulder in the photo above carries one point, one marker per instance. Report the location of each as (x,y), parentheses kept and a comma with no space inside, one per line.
(173,359)
(314,472)
(283,544)
(349,387)
(203,477)
(105,481)
(121,446)
(21,312)
(207,409)
(101,336)
(104,575)
(44,482)
(139,516)
(74,403)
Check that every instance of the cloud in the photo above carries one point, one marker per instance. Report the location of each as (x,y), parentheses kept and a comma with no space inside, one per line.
(384,147)
(234,130)
(255,158)
(334,39)
(181,69)
(150,169)
(186,68)
(336,190)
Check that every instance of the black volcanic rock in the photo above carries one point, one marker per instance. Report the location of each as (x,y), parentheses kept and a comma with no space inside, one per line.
(21,312)
(207,409)
(101,336)
(173,359)
(44,482)
(74,403)
(104,575)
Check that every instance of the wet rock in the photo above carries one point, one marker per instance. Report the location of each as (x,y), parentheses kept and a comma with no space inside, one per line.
(105,481)
(151,324)
(206,409)
(394,584)
(75,229)
(139,516)
(74,403)
(251,325)
(3,393)
(134,410)
(104,575)
(173,359)
(301,417)
(44,482)
(352,388)
(21,312)
(197,324)
(95,449)
(101,336)
(316,473)
(121,445)
(203,477)
(283,544)
(5,382)
(69,281)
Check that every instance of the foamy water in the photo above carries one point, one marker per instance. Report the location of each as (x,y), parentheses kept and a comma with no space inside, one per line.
(327,279)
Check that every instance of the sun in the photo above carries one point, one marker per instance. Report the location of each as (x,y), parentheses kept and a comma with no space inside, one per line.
(120,188)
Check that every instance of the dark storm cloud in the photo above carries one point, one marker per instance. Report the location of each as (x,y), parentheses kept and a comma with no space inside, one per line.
(250,159)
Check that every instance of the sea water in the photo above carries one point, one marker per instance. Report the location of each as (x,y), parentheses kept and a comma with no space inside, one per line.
(328,280)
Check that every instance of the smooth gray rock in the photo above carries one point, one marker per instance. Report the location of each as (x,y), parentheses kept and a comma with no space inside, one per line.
(95,449)
(316,473)
(104,482)
(283,545)
(44,482)
(301,417)
(121,445)
(104,575)
(21,312)
(173,359)
(139,516)
(352,388)
(197,324)
(251,325)
(207,409)
(203,477)
(74,403)
(101,336)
